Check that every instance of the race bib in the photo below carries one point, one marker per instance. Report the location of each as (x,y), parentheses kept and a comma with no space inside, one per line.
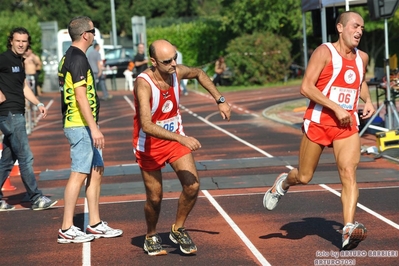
(344,97)
(170,124)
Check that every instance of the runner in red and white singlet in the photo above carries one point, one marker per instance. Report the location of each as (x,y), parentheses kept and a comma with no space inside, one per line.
(340,82)
(158,139)
(333,82)
(152,153)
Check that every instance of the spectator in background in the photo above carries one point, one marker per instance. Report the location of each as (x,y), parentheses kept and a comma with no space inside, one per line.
(128,73)
(33,65)
(179,61)
(140,61)
(220,67)
(96,64)
(13,92)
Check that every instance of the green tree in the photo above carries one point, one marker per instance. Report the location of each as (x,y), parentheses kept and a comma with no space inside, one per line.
(10,20)
(198,41)
(248,16)
(258,58)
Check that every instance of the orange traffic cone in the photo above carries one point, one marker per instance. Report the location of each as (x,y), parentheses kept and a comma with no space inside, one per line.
(15,169)
(7,185)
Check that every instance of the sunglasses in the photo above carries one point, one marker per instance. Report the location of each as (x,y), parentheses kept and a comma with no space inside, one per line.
(93,31)
(169,61)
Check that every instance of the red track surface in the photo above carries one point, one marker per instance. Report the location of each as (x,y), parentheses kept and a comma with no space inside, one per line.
(229,225)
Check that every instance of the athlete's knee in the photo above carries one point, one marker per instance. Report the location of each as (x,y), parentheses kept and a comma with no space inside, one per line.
(154,199)
(347,174)
(191,190)
(303,178)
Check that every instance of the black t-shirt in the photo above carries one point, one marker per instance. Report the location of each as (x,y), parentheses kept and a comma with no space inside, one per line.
(12,78)
(138,58)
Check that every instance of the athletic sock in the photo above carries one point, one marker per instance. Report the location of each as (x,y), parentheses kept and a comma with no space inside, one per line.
(279,188)
(97,224)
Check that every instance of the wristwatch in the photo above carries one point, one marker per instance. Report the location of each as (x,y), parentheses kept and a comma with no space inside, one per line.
(221,100)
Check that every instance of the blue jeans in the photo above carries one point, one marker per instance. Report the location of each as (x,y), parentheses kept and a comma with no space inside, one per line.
(84,155)
(100,84)
(183,87)
(16,147)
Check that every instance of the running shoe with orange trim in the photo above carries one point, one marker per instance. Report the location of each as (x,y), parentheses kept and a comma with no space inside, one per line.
(183,239)
(352,235)
(153,246)
(274,194)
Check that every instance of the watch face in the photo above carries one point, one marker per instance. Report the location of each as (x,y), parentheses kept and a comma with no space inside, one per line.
(221,100)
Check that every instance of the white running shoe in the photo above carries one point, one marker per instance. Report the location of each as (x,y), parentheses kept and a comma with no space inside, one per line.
(73,235)
(43,203)
(273,195)
(103,230)
(352,235)
(4,206)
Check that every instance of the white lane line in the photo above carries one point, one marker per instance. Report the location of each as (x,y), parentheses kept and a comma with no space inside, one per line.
(228,133)
(86,249)
(236,229)
(364,208)
(129,102)
(47,107)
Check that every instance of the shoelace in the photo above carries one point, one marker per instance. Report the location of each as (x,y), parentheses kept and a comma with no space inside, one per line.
(103,226)
(350,228)
(182,235)
(44,199)
(276,195)
(77,231)
(153,240)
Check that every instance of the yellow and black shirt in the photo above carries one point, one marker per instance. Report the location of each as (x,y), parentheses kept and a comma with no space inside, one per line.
(74,71)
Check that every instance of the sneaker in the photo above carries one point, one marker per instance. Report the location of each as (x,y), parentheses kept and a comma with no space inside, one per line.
(43,203)
(352,235)
(273,195)
(152,245)
(182,238)
(73,235)
(4,206)
(103,230)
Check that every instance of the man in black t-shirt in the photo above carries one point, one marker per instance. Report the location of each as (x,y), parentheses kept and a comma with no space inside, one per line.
(140,61)
(14,89)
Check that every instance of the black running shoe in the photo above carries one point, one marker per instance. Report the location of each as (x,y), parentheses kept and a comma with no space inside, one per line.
(182,238)
(152,245)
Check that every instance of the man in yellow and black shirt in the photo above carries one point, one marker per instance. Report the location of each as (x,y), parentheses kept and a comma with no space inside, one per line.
(75,72)
(80,110)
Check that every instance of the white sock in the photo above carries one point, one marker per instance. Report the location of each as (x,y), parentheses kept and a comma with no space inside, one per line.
(279,188)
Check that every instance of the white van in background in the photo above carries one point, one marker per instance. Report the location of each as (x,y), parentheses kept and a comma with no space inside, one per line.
(64,41)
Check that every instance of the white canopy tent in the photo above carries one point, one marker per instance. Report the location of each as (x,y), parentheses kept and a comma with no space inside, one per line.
(308,5)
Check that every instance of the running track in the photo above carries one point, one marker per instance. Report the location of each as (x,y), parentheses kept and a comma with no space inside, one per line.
(239,160)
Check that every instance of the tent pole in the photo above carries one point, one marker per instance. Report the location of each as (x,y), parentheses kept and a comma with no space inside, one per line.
(323,24)
(305,41)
